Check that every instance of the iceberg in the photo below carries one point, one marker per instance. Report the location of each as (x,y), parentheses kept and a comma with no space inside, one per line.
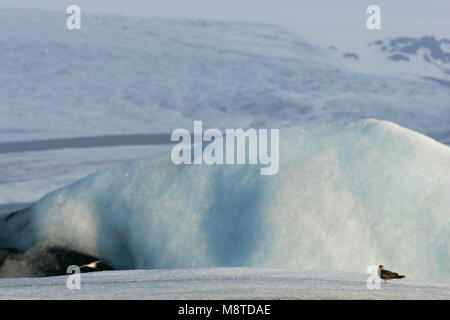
(347,195)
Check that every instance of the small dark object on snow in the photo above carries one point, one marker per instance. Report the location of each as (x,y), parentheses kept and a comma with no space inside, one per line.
(387,275)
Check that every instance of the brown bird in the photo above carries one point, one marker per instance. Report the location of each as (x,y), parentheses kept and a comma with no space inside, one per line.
(387,275)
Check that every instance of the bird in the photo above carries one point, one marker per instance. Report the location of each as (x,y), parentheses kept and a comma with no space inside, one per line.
(387,275)
(95,266)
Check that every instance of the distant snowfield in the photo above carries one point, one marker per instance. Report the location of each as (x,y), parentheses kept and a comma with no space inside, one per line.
(124,75)
(220,283)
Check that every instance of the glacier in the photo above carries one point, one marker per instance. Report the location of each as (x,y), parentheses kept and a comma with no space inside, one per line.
(153,75)
(348,195)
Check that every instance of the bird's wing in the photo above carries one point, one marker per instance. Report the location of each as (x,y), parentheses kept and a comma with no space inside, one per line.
(389,274)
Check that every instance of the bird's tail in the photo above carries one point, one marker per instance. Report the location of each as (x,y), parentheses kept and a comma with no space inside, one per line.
(400,276)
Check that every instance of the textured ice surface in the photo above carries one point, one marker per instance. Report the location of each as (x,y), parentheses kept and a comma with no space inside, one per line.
(220,283)
(347,195)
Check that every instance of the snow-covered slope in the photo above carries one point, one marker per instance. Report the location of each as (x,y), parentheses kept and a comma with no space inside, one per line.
(347,195)
(221,283)
(122,75)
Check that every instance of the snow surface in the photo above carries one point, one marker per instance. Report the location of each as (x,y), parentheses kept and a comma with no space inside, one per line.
(347,195)
(220,283)
(154,75)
